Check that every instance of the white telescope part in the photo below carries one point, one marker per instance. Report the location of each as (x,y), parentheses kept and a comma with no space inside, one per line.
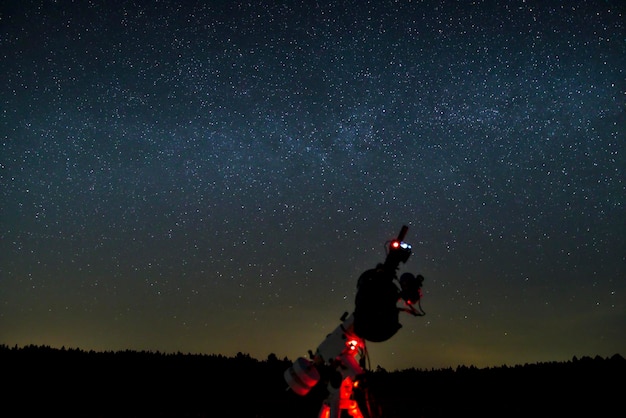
(302,376)
(335,342)
(351,366)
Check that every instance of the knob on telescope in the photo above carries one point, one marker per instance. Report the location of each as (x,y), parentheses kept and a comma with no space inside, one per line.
(411,287)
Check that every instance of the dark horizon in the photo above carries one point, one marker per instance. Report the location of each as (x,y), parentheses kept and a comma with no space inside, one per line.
(373,367)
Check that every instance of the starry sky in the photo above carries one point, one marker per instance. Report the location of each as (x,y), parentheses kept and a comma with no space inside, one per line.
(214,176)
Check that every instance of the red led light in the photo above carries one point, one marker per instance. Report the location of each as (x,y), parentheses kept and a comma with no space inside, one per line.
(395,244)
(353,344)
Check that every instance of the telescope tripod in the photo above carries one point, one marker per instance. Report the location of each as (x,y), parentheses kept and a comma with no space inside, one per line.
(341,400)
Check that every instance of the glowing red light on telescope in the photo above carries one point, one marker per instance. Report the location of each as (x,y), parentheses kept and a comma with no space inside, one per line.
(352,345)
(395,244)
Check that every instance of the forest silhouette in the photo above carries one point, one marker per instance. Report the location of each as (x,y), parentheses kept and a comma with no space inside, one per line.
(43,381)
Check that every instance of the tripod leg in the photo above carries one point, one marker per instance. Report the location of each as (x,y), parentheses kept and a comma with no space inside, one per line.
(347,401)
(324,411)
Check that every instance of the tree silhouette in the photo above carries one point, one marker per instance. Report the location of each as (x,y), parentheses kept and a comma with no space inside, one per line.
(74,383)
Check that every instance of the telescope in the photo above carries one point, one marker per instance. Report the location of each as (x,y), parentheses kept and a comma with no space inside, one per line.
(340,360)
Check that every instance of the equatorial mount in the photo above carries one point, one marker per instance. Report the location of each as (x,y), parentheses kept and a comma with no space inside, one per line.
(375,318)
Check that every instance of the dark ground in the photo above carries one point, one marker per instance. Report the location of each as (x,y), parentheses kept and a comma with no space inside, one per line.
(41,381)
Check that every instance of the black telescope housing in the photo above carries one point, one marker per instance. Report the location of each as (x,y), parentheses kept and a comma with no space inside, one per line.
(376,315)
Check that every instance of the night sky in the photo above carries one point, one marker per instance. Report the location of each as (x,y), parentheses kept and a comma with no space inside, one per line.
(213,176)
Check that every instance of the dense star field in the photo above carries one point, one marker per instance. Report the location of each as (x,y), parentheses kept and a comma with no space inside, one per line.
(213,177)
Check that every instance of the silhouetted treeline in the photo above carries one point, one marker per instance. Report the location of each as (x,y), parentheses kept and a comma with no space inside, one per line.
(42,381)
